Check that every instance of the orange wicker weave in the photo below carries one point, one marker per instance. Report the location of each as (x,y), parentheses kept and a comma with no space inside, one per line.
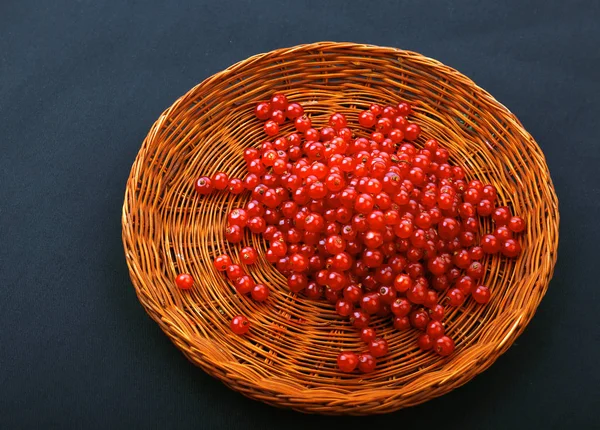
(289,357)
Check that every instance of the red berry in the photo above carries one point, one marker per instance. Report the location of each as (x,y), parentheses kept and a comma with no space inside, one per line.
(401,307)
(234,272)
(222,262)
(366,363)
(240,325)
(244,284)
(203,185)
(297,282)
(260,292)
(234,234)
(475,270)
(404,109)
(220,180)
(516,224)
(419,319)
(238,217)
(412,131)
(347,361)
(456,297)
(402,283)
(511,248)
(337,121)
(359,319)
(378,347)
(302,123)
(367,334)
(402,323)
(490,244)
(444,346)
(184,281)
(371,303)
(271,128)
(367,119)
(437,313)
(481,294)
(294,110)
(425,342)
(343,307)
(435,329)
(263,111)
(236,186)
(501,216)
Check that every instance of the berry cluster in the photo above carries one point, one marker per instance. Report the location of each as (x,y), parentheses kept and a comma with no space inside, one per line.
(377,226)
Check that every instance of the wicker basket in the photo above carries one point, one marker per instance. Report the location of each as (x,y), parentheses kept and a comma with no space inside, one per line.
(289,357)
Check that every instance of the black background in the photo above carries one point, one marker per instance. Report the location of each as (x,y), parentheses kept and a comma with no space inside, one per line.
(81,82)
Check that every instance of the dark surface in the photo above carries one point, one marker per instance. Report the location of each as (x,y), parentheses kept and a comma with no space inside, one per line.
(82,82)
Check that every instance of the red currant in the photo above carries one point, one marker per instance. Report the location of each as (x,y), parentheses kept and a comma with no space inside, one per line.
(240,325)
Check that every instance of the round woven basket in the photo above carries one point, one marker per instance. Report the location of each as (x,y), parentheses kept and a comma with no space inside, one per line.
(289,357)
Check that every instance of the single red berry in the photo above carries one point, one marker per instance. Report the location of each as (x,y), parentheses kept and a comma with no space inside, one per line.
(378,347)
(516,224)
(359,319)
(367,119)
(402,323)
(184,281)
(257,225)
(444,346)
(302,123)
(419,319)
(501,216)
(263,111)
(511,248)
(279,101)
(240,325)
(435,329)
(456,297)
(402,283)
(234,272)
(294,110)
(437,313)
(222,262)
(465,284)
(271,128)
(238,217)
(337,121)
(203,185)
(485,208)
(475,270)
(220,180)
(278,116)
(353,293)
(234,233)
(412,131)
(503,233)
(371,303)
(481,294)
(490,244)
(366,363)
(367,334)
(425,342)
(476,253)
(343,307)
(244,284)
(236,186)
(260,292)
(347,361)
(297,282)
(404,109)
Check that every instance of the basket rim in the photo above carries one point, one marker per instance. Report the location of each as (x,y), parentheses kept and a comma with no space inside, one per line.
(226,373)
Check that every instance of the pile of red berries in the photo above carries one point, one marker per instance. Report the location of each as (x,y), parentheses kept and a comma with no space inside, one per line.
(376,225)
